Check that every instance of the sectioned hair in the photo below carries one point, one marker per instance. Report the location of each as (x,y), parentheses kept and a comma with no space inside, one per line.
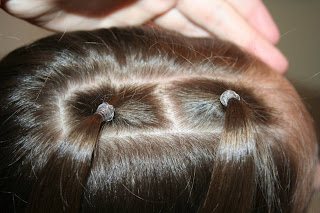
(171,145)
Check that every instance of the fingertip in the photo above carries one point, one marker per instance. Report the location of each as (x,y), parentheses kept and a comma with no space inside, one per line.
(269,54)
(257,15)
(283,67)
(278,62)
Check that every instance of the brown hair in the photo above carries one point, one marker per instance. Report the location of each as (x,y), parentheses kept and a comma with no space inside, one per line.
(171,146)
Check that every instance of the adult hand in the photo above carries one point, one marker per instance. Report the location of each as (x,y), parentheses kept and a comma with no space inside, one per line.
(246,23)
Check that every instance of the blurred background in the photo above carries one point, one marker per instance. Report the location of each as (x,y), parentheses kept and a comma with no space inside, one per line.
(299,24)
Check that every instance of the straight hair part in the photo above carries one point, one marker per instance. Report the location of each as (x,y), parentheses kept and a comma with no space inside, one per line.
(169,144)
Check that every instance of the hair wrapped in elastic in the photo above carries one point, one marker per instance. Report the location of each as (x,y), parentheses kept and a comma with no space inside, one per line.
(134,120)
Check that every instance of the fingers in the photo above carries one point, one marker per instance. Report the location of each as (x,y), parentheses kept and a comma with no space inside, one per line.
(140,12)
(27,9)
(175,21)
(218,17)
(257,15)
(49,14)
(222,20)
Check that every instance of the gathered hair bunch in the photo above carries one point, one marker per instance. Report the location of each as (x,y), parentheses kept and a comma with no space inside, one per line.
(140,120)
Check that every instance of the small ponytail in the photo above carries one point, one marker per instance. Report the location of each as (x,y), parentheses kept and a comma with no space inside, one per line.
(178,141)
(62,181)
(236,166)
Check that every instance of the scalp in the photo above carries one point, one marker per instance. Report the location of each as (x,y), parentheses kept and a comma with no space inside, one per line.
(171,146)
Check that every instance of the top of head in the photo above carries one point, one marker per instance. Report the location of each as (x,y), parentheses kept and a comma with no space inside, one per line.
(171,145)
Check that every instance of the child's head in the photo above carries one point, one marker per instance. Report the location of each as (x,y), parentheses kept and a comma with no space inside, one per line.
(170,145)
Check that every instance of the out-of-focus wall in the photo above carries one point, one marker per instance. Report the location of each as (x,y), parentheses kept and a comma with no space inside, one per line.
(299,23)
(15,33)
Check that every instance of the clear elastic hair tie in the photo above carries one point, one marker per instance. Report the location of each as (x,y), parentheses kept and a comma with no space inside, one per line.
(227,95)
(106,111)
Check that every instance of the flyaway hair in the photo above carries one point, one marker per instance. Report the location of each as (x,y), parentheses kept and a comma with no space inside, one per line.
(141,120)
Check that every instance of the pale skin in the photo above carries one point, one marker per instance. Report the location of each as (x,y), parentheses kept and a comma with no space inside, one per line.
(246,23)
